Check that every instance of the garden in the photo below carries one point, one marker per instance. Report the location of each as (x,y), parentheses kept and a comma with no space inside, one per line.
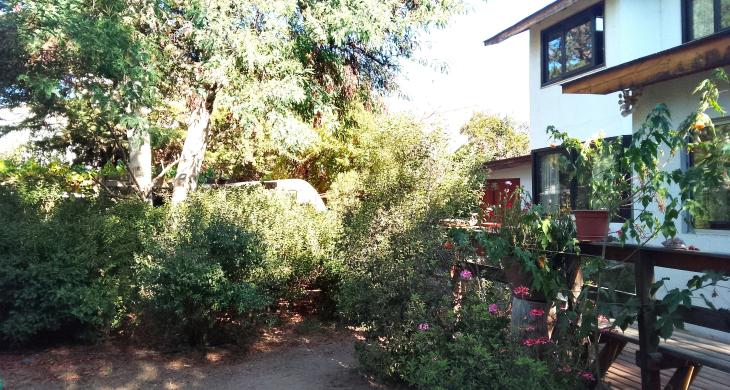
(118,225)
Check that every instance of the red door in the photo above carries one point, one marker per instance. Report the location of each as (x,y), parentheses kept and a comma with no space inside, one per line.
(496,193)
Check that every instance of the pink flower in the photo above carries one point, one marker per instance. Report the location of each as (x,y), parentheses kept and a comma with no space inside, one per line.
(521,291)
(493,308)
(543,341)
(586,375)
(537,312)
(423,327)
(528,342)
(465,274)
(508,182)
(538,341)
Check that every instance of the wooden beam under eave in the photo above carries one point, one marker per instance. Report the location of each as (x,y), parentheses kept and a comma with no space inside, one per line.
(693,57)
(537,17)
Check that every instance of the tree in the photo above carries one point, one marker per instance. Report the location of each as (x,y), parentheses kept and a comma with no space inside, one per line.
(491,137)
(87,77)
(284,71)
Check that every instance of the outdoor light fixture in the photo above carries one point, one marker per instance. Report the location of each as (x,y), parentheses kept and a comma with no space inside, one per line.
(628,98)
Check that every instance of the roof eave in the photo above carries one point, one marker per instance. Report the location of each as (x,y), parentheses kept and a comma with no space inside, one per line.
(524,24)
(692,57)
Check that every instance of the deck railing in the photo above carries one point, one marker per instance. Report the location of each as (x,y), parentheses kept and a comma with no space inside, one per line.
(645,259)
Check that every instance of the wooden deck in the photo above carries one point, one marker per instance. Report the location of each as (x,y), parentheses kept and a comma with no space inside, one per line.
(625,374)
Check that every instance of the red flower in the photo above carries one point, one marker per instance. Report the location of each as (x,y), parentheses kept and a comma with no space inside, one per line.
(537,312)
(521,291)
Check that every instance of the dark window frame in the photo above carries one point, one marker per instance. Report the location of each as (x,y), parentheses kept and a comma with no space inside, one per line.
(561,28)
(689,160)
(626,212)
(687,20)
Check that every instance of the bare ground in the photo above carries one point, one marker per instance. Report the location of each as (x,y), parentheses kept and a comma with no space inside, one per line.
(287,357)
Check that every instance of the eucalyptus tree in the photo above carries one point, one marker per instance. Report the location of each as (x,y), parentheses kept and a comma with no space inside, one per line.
(85,70)
(288,69)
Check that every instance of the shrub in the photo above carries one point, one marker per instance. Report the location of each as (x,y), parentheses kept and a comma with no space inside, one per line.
(66,268)
(225,256)
(397,280)
(473,350)
(391,243)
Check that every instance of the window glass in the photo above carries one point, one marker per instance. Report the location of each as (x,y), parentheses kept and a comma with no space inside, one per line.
(579,47)
(554,183)
(573,45)
(554,58)
(724,14)
(703,18)
(716,200)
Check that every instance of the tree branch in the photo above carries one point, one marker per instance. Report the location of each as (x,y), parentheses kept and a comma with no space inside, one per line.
(165,170)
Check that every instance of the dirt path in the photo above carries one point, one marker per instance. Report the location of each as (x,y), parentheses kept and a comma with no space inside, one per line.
(283,360)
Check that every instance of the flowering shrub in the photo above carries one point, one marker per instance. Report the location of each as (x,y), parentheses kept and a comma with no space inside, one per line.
(473,351)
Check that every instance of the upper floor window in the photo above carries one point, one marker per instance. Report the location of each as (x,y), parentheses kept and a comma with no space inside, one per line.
(573,46)
(715,199)
(705,17)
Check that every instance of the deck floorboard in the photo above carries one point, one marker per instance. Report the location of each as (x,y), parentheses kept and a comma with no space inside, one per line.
(624,374)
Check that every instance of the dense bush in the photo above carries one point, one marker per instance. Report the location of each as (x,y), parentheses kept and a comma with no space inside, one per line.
(226,255)
(398,279)
(469,350)
(85,266)
(67,269)
(391,240)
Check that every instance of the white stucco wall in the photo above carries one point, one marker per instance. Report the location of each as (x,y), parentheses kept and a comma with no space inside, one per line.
(522,172)
(677,95)
(633,28)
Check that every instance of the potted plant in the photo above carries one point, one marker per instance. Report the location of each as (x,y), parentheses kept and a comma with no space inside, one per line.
(635,174)
(591,225)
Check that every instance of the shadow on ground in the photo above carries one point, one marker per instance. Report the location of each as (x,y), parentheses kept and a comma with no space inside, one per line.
(295,356)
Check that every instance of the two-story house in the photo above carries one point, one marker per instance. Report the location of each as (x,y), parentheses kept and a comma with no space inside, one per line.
(601,66)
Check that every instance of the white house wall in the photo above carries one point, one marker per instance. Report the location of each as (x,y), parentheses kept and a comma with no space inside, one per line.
(633,29)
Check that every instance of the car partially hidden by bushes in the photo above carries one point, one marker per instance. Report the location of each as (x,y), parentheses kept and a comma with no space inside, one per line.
(300,191)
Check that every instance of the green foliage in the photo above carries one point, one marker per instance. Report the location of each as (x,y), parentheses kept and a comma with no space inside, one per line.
(396,279)
(88,266)
(491,137)
(282,77)
(469,350)
(66,268)
(226,255)
(391,244)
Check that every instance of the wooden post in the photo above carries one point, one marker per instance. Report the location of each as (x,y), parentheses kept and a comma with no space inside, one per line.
(648,339)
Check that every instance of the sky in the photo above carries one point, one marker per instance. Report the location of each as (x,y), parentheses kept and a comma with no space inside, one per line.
(493,78)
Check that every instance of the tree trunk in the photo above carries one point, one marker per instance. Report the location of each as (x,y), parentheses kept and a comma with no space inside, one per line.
(140,160)
(193,152)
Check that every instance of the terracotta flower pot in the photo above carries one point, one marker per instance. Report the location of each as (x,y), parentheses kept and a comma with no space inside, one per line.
(591,225)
